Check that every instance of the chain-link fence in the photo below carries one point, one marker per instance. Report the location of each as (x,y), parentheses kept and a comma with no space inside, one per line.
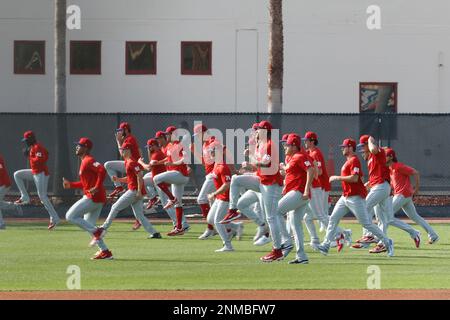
(419,140)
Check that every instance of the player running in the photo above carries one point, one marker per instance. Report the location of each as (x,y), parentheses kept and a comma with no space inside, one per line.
(37,155)
(221,175)
(177,175)
(86,211)
(352,199)
(132,197)
(379,199)
(404,192)
(299,175)
(269,184)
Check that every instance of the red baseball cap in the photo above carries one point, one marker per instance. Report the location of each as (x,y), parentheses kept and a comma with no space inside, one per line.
(199,129)
(284,137)
(85,142)
(294,141)
(310,136)
(27,135)
(151,142)
(364,139)
(349,142)
(123,126)
(255,126)
(126,146)
(215,145)
(160,134)
(391,153)
(170,129)
(265,125)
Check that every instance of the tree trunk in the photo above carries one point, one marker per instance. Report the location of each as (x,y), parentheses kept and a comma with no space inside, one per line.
(276,59)
(62,164)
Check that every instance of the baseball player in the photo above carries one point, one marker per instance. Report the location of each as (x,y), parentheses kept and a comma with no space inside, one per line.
(270,187)
(5,184)
(353,200)
(116,167)
(319,196)
(132,197)
(378,200)
(38,156)
(177,175)
(403,192)
(208,186)
(221,175)
(299,174)
(85,212)
(156,156)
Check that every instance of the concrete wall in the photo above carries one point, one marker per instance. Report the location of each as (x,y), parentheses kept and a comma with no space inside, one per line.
(328,51)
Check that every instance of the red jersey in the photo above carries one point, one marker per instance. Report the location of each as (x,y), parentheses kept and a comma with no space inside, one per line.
(207,160)
(296,172)
(92,174)
(158,156)
(38,159)
(132,169)
(264,154)
(316,156)
(378,171)
(351,167)
(401,184)
(135,155)
(324,178)
(174,152)
(4,177)
(222,175)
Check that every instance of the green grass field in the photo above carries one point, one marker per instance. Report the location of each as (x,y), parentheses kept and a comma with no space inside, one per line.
(32,258)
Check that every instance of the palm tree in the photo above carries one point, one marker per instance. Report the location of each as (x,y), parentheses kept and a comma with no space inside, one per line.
(276,58)
(62,164)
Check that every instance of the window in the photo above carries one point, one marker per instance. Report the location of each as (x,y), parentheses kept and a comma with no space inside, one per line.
(140,57)
(196,58)
(29,57)
(378,97)
(85,57)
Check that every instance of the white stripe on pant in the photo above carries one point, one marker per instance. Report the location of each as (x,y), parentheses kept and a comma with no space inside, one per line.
(407,205)
(85,213)
(358,207)
(126,200)
(293,204)
(207,188)
(41,182)
(113,168)
(177,180)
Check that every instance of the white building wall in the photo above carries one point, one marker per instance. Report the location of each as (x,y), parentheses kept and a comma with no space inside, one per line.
(328,51)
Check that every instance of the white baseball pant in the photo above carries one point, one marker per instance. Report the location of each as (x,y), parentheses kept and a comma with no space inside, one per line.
(293,205)
(85,213)
(113,168)
(149,185)
(250,206)
(177,181)
(207,188)
(126,200)
(358,207)
(407,205)
(171,211)
(379,202)
(41,182)
(216,214)
(3,205)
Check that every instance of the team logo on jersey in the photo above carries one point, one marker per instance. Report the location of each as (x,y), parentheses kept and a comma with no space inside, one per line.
(227,178)
(137,169)
(39,154)
(307,164)
(356,170)
(96,164)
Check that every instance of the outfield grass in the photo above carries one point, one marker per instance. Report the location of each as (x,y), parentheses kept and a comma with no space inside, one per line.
(32,258)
